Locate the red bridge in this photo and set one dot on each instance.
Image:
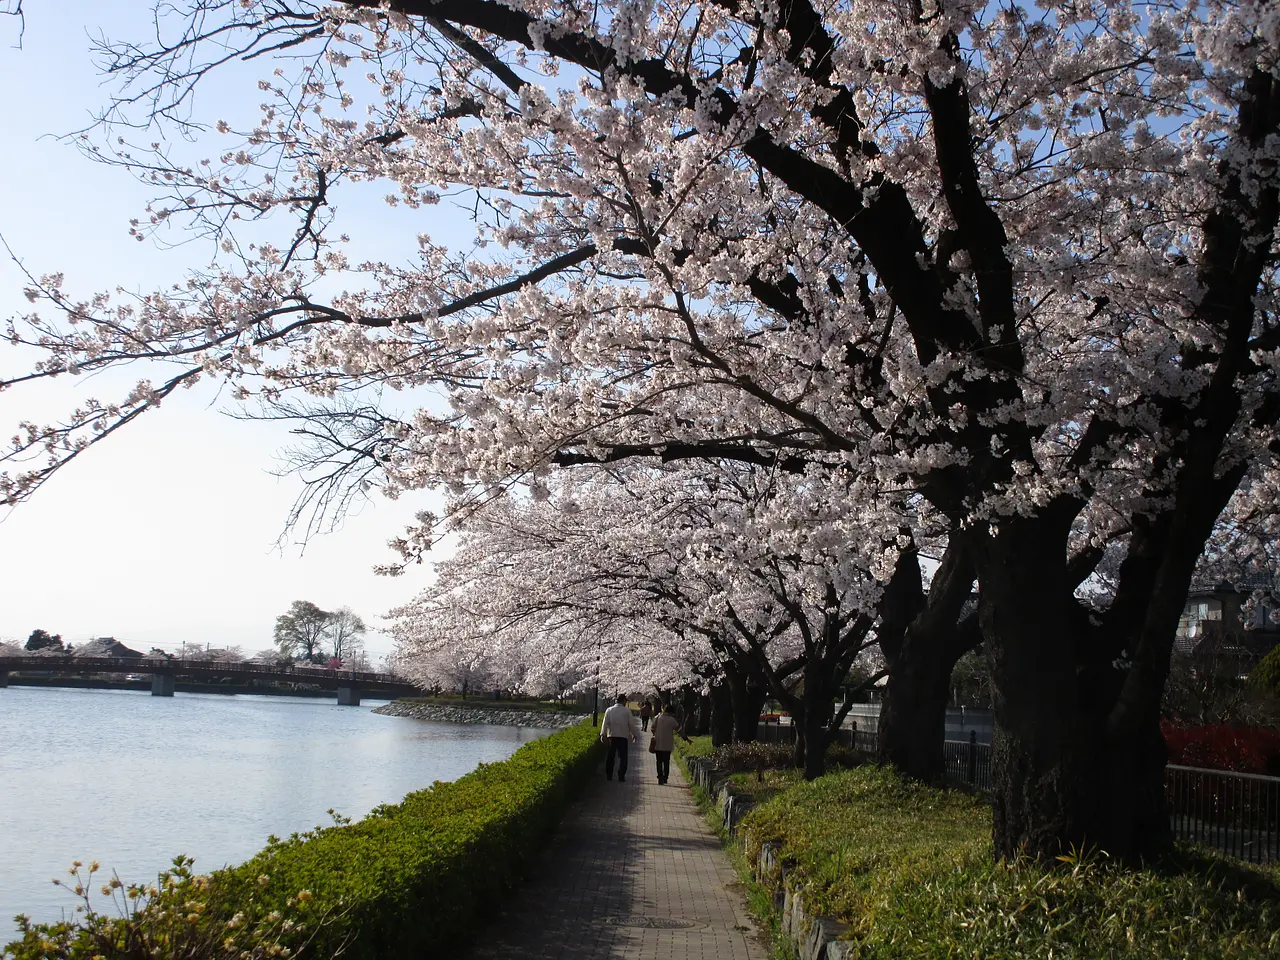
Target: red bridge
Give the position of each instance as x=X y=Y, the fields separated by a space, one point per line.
x=164 y=671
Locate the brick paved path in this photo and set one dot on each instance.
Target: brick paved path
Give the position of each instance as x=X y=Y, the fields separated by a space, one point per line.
x=630 y=861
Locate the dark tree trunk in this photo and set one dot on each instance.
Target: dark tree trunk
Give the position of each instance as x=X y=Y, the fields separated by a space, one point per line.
x=914 y=710
x=721 y=726
x=747 y=700
x=799 y=754
x=813 y=731
x=813 y=718
x=706 y=716
x=1062 y=780
x=921 y=642
x=688 y=705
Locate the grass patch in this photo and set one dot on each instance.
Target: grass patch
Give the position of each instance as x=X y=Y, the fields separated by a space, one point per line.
x=767 y=784
x=910 y=869
x=694 y=748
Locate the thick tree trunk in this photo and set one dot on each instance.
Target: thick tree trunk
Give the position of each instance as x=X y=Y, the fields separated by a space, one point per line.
x=799 y=753
x=813 y=731
x=812 y=720
x=921 y=642
x=747 y=700
x=721 y=726
x=706 y=717
x=914 y=710
x=1061 y=781
x=688 y=705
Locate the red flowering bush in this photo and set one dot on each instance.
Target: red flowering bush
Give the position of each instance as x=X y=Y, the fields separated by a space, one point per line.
x=1219 y=747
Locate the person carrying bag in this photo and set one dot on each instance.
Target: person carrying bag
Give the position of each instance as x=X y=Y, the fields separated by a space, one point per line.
x=663 y=741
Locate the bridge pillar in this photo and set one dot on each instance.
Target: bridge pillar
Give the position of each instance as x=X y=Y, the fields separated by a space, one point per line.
x=348 y=696
x=4 y=678
x=162 y=684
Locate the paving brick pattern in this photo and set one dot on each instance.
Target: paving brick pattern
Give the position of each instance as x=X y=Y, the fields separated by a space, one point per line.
x=630 y=861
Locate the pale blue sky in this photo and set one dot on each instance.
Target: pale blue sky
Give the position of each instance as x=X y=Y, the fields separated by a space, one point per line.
x=165 y=532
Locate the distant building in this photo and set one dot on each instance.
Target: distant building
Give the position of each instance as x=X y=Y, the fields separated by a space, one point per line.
x=1215 y=623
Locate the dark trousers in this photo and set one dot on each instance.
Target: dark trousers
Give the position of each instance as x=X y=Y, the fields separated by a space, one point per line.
x=644 y=723
x=664 y=764
x=618 y=748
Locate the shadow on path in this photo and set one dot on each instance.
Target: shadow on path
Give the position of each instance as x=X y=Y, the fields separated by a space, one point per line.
x=633 y=872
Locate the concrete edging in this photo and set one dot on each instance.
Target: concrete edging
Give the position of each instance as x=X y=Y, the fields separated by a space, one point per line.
x=814 y=937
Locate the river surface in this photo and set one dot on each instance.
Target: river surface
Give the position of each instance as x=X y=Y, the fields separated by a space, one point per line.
x=133 y=780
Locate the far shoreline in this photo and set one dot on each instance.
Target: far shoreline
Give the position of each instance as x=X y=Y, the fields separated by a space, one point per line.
x=226 y=689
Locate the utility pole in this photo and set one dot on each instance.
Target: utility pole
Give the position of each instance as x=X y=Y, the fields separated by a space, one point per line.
x=595 y=694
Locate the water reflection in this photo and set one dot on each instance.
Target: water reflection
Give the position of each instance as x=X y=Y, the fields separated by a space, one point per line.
x=132 y=780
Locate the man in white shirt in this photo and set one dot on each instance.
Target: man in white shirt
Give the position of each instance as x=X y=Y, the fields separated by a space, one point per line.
x=615 y=728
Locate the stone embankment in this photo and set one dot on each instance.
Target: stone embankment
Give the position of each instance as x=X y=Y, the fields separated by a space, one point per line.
x=502 y=716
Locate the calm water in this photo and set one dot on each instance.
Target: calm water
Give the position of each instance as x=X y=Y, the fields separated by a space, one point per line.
x=132 y=780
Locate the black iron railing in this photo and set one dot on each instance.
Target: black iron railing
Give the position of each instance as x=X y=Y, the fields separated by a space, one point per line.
x=968 y=762
x=1237 y=813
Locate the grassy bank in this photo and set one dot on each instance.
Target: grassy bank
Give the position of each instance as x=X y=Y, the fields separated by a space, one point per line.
x=413 y=879
x=910 y=869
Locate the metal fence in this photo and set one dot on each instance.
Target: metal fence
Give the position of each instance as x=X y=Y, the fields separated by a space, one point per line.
x=968 y=762
x=1237 y=813
x=771 y=731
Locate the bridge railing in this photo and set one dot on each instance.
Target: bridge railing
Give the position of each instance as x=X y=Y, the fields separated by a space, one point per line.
x=73 y=664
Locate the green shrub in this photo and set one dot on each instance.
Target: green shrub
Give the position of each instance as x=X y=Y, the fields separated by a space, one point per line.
x=412 y=879
x=910 y=868
x=1266 y=675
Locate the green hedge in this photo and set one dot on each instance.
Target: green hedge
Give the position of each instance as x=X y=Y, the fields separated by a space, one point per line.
x=414 y=879
x=910 y=868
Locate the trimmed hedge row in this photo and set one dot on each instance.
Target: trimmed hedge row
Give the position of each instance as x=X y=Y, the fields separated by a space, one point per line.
x=412 y=879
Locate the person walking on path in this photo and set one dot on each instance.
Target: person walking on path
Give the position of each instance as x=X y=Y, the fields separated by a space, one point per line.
x=646 y=712
x=615 y=729
x=665 y=728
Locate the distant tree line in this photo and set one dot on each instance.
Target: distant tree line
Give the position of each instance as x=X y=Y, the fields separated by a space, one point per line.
x=43 y=640
x=306 y=632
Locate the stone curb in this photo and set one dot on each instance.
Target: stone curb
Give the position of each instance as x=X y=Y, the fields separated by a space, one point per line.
x=814 y=937
x=474 y=714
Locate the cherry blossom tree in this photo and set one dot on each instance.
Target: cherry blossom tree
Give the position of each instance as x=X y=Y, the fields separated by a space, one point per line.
x=702 y=577
x=1013 y=267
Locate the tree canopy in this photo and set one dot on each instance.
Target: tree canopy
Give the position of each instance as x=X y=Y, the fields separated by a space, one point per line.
x=303 y=630
x=988 y=281
x=42 y=639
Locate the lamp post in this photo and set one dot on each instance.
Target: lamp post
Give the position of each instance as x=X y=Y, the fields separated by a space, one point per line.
x=595 y=693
